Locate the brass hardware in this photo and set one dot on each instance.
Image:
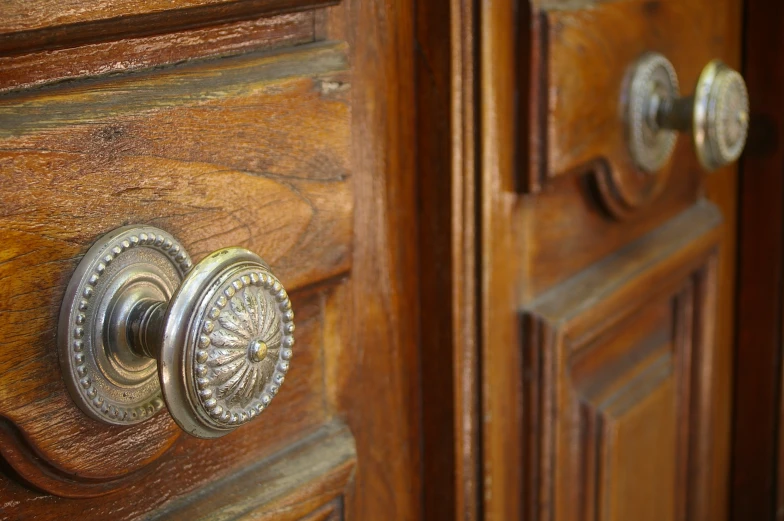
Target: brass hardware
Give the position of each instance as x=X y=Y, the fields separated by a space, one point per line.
x=717 y=114
x=219 y=333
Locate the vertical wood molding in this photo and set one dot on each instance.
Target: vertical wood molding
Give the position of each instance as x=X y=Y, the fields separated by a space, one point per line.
x=447 y=191
x=446 y=143
x=384 y=362
x=465 y=303
x=757 y=486
x=499 y=241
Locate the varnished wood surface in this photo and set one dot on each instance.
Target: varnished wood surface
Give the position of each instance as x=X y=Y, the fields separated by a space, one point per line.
x=147 y=149
x=499 y=245
x=411 y=273
x=436 y=263
x=45 y=24
x=570 y=201
x=590 y=52
x=225 y=135
x=673 y=251
x=464 y=251
x=189 y=463
x=614 y=352
x=568 y=230
x=380 y=366
x=309 y=477
x=285 y=133
x=721 y=188
x=28 y=15
x=99 y=59
x=757 y=487
x=447 y=262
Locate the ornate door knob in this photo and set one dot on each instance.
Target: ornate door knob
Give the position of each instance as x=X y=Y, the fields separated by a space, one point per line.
x=717 y=114
x=138 y=318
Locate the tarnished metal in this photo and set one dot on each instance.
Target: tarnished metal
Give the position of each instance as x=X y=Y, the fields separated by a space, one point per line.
x=720 y=115
x=653 y=83
x=716 y=114
x=220 y=333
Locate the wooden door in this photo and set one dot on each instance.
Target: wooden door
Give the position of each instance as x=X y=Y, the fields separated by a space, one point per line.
x=282 y=126
x=606 y=292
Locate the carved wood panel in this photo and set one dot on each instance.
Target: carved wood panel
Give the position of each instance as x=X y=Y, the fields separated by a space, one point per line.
x=586 y=51
x=255 y=150
x=618 y=382
x=273 y=176
x=632 y=386
x=560 y=198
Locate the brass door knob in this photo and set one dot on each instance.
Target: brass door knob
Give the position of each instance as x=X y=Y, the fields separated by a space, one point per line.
x=717 y=114
x=140 y=326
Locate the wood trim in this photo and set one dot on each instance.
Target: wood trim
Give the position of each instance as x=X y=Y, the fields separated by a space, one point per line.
x=500 y=242
x=676 y=262
x=308 y=476
x=40 y=68
x=113 y=26
x=82 y=104
x=465 y=261
x=447 y=235
x=382 y=402
x=757 y=487
x=436 y=262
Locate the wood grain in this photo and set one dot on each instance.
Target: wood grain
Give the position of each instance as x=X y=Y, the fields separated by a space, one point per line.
x=569 y=200
x=380 y=366
x=465 y=259
x=369 y=322
x=217 y=154
x=621 y=353
x=305 y=481
x=140 y=144
x=27 y=26
x=589 y=52
x=416 y=186
x=133 y=54
x=189 y=463
x=500 y=246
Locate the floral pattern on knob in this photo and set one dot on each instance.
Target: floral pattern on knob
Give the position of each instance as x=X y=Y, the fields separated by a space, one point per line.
x=726 y=121
x=244 y=347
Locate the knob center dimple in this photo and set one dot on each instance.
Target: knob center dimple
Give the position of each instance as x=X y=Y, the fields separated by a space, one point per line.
x=736 y=129
x=257 y=350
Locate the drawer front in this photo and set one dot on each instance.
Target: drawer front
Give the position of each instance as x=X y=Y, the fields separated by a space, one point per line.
x=283 y=127
x=250 y=151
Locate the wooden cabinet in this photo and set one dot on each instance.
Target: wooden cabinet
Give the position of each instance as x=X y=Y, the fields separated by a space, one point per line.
x=606 y=291
x=501 y=313
x=275 y=126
